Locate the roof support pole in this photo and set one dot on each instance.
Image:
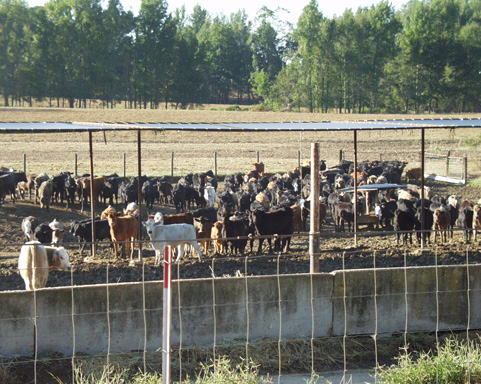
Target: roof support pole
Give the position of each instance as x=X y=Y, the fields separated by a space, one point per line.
x=422 y=187
x=92 y=199
x=355 y=188
x=139 y=191
x=315 y=208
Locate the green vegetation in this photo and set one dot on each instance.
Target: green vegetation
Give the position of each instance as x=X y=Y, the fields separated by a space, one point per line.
x=422 y=58
x=221 y=371
x=473 y=142
x=454 y=362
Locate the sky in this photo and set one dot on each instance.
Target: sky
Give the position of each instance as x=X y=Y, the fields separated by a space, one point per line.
x=329 y=8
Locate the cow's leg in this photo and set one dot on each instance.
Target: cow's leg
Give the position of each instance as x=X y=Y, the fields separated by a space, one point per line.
x=180 y=252
x=196 y=246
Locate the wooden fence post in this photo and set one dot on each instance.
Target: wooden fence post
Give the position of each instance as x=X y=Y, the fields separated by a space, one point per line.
x=215 y=164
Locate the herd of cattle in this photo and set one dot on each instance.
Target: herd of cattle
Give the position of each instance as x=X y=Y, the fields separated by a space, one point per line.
x=251 y=206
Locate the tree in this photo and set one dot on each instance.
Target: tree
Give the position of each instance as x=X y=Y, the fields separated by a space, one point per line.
x=14 y=16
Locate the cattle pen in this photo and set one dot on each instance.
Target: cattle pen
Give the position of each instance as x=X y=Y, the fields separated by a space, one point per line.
x=285 y=309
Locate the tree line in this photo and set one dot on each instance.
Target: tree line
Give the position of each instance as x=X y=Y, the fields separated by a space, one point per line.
x=424 y=57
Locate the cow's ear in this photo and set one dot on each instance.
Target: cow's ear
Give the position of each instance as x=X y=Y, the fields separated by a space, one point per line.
x=157 y=223
x=144 y=223
x=55 y=255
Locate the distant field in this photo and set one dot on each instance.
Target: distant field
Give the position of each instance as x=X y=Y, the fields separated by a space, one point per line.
x=194 y=151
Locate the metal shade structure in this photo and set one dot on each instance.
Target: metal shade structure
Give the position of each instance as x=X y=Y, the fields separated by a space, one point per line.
x=367 y=125
x=373 y=187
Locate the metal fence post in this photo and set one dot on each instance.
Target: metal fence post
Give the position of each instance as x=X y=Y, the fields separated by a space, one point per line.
x=125 y=165
x=172 y=168
x=25 y=163
x=76 y=165
x=315 y=208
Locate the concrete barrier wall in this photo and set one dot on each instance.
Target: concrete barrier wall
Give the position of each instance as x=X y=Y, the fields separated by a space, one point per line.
x=124 y=317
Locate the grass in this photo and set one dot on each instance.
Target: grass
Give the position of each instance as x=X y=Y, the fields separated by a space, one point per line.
x=220 y=371
x=455 y=362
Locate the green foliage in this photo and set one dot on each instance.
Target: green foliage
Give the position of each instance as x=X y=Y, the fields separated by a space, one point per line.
x=424 y=57
x=455 y=362
x=220 y=371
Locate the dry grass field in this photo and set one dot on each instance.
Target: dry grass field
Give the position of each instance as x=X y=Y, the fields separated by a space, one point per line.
x=194 y=151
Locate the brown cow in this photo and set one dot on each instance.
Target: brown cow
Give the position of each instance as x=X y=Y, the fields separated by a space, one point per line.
x=123 y=229
x=442 y=221
x=179 y=218
x=476 y=219
x=203 y=230
x=84 y=187
x=413 y=174
x=216 y=235
x=45 y=192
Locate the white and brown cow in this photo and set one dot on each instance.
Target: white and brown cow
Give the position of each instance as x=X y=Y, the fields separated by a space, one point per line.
x=36 y=261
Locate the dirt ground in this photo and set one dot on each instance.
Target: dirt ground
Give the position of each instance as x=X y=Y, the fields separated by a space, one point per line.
x=338 y=251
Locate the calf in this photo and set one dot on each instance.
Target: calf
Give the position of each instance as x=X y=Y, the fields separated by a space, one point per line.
x=180 y=218
x=203 y=229
x=176 y=235
x=404 y=221
x=385 y=212
x=123 y=229
x=476 y=219
x=82 y=230
x=343 y=212
x=428 y=224
x=209 y=196
x=35 y=262
x=274 y=223
x=216 y=235
x=465 y=221
x=413 y=174
x=45 y=192
x=235 y=229
x=43 y=234
x=57 y=231
x=442 y=221
x=29 y=224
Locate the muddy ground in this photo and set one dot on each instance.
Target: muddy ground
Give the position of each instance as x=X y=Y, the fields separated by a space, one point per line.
x=338 y=251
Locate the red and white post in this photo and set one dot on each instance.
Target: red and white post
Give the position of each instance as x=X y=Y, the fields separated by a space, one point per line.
x=167 y=315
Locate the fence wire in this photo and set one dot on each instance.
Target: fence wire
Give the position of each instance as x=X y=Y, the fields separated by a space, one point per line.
x=287 y=347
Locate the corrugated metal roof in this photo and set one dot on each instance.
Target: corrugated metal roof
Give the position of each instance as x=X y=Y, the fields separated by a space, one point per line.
x=239 y=127
x=373 y=187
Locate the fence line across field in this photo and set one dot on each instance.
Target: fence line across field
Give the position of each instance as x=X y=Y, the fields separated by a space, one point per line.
x=352 y=288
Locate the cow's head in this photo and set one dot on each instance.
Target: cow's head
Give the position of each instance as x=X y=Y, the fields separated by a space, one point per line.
x=150 y=225
x=159 y=218
x=60 y=260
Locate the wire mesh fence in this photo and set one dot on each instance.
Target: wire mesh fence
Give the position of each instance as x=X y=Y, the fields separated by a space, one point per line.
x=361 y=314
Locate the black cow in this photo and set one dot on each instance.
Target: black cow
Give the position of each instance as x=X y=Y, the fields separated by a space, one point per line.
x=82 y=230
x=235 y=228
x=385 y=212
x=404 y=221
x=343 y=212
x=279 y=222
x=150 y=193
x=209 y=213
x=59 y=191
x=179 y=197
x=43 y=233
x=428 y=224
x=465 y=221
